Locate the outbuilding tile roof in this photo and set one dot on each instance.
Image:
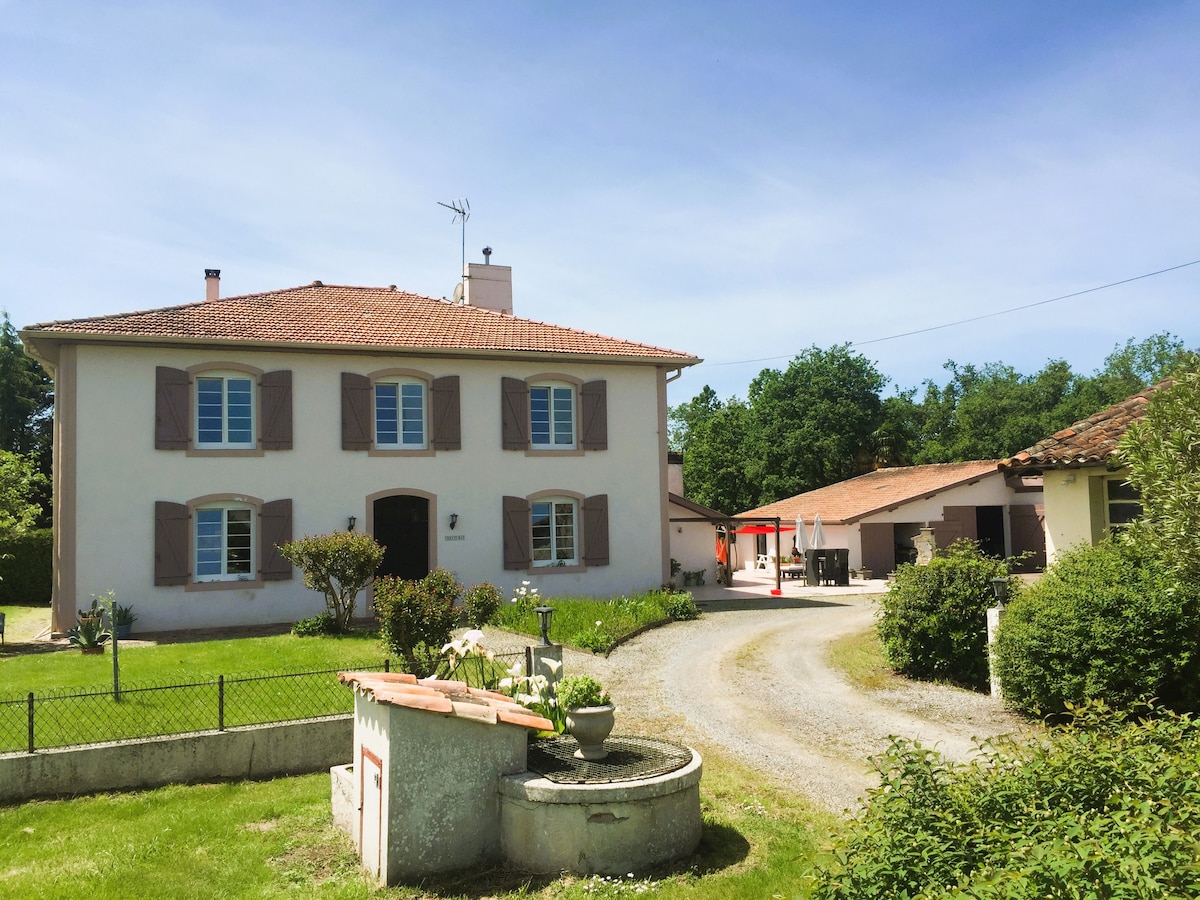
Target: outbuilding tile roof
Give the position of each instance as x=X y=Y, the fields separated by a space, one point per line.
x=369 y=317
x=1090 y=442
x=450 y=698
x=884 y=489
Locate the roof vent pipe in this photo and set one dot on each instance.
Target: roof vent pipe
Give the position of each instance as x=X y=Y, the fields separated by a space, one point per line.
x=212 y=284
x=487 y=256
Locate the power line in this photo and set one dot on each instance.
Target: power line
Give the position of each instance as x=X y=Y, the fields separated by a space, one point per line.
x=999 y=312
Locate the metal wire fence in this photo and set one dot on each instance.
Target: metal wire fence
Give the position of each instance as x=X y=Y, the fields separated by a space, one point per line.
x=71 y=718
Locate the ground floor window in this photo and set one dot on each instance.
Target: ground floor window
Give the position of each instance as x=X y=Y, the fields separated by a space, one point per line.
x=553 y=532
x=224 y=543
x=1124 y=502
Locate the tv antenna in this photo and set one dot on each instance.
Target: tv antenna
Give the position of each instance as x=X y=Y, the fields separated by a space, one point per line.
x=462 y=212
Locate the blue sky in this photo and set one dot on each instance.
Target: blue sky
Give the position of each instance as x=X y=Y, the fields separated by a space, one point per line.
x=737 y=180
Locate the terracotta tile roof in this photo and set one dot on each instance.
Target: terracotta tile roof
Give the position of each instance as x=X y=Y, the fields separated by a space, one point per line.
x=1089 y=442
x=856 y=498
x=321 y=315
x=450 y=698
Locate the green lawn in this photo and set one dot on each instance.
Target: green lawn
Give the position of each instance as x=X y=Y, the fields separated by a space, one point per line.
x=276 y=839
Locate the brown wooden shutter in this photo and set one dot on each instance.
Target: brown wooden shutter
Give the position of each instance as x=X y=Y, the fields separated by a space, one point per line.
x=172 y=536
x=275 y=410
x=517 y=536
x=595 y=530
x=274 y=529
x=444 y=414
x=594 y=415
x=514 y=414
x=357 y=428
x=172 y=408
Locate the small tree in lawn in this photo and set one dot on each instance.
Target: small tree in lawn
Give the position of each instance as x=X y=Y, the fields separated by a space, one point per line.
x=339 y=565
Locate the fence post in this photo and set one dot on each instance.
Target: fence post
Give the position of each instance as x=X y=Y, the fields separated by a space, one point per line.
x=30 y=702
x=387 y=665
x=220 y=703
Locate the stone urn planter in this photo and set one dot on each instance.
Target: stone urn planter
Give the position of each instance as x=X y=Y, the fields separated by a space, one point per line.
x=590 y=726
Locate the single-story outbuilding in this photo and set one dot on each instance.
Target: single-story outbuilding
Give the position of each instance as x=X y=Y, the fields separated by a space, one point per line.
x=878 y=516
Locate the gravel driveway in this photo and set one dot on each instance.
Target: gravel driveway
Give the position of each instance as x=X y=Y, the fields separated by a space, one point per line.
x=755 y=682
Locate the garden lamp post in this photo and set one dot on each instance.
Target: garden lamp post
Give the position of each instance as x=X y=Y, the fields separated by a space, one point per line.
x=1000 y=589
x=544 y=614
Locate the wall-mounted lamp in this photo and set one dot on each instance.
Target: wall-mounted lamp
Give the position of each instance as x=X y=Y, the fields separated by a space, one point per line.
x=1000 y=589
x=350 y=523
x=453 y=520
x=544 y=614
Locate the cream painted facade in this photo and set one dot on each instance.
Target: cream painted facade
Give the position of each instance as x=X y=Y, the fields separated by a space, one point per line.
x=109 y=476
x=1076 y=506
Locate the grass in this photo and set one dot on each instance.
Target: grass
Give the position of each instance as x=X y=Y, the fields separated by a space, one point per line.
x=588 y=624
x=276 y=839
x=860 y=657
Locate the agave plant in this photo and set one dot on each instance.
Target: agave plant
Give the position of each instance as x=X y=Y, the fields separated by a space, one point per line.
x=89 y=632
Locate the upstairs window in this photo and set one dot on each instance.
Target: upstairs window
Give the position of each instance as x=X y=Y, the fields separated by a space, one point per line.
x=225 y=411
x=215 y=408
x=552 y=417
x=400 y=415
x=397 y=412
x=539 y=414
x=224 y=543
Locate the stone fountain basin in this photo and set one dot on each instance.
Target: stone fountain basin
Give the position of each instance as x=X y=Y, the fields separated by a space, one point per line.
x=606 y=829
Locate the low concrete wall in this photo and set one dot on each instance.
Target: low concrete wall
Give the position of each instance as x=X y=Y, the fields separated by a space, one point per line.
x=261 y=751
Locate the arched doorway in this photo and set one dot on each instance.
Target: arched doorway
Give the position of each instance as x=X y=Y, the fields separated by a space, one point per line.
x=401 y=523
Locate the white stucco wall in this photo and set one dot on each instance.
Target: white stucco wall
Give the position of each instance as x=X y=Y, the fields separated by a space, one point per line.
x=120 y=476
x=694 y=544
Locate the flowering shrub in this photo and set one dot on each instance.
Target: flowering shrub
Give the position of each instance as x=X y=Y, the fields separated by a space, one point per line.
x=536 y=693
x=466 y=659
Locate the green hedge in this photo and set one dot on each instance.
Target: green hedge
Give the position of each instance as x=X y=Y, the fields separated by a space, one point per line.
x=28 y=576
x=1107 y=623
x=1100 y=808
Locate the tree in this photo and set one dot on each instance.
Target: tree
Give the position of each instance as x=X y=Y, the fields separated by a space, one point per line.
x=1162 y=452
x=809 y=424
x=339 y=565
x=26 y=409
x=19 y=481
x=714 y=459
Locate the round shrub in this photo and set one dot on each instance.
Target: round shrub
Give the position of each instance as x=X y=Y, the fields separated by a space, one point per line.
x=1104 y=623
x=681 y=607
x=417 y=617
x=316 y=626
x=481 y=602
x=933 y=619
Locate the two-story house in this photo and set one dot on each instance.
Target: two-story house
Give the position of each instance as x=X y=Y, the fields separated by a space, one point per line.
x=190 y=441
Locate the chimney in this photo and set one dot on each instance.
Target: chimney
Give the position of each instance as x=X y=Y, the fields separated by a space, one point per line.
x=488 y=286
x=212 y=284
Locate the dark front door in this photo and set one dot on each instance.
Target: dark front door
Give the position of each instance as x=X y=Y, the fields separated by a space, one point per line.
x=402 y=526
